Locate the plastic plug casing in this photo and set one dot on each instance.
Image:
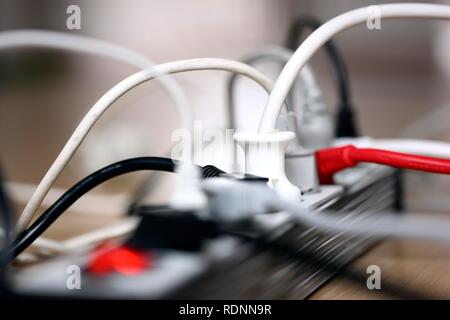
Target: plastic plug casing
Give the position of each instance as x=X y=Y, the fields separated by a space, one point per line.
x=188 y=194
x=265 y=156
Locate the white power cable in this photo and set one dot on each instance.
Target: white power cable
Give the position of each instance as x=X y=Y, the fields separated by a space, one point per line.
x=83 y=241
x=237 y=201
x=99 y=235
x=324 y=33
x=109 y=98
x=49 y=245
x=277 y=54
x=79 y=43
x=44 y=244
x=379 y=225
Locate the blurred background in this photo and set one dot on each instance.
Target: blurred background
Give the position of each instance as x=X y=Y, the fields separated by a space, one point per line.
x=398 y=74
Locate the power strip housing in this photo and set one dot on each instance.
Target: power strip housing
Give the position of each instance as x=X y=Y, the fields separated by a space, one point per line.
x=228 y=269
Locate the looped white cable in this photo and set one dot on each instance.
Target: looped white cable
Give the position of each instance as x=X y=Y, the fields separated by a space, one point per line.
x=311 y=90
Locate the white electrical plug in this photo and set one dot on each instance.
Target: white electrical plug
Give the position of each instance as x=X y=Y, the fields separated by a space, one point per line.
x=315 y=128
x=300 y=162
x=188 y=194
x=301 y=169
x=233 y=201
x=265 y=156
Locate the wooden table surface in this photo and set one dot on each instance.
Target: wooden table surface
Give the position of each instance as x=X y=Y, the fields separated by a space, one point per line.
x=420 y=268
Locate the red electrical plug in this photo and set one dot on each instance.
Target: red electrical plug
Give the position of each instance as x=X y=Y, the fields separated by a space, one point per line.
x=332 y=160
x=109 y=258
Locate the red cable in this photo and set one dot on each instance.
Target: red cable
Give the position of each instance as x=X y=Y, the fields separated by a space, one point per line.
x=331 y=160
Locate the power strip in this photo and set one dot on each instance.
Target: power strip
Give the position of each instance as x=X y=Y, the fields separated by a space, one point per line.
x=226 y=268
x=264 y=275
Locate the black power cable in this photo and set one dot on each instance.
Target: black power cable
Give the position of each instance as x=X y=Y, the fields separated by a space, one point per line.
x=345 y=119
x=41 y=224
x=7 y=213
x=7 y=216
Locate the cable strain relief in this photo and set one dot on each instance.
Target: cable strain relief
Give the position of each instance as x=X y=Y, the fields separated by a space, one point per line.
x=331 y=160
x=210 y=171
